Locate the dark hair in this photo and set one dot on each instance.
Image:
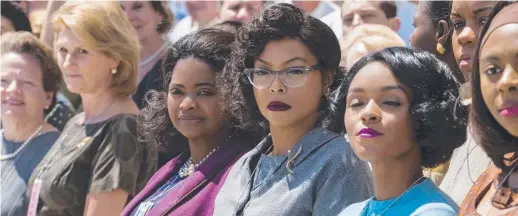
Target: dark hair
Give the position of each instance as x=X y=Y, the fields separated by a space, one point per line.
x=439 y=120
x=389 y=8
x=494 y=138
x=276 y=22
x=229 y=25
x=16 y=15
x=211 y=46
x=162 y=8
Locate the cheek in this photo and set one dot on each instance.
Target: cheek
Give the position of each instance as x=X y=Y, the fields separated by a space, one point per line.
x=455 y=46
x=261 y=97
x=172 y=109
x=489 y=92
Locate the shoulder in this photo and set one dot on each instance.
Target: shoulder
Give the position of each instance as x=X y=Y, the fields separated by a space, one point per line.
x=435 y=203
x=435 y=209
x=354 y=209
x=123 y=123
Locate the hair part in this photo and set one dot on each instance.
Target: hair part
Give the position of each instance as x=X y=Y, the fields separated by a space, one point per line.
x=494 y=139
x=104 y=28
x=438 y=118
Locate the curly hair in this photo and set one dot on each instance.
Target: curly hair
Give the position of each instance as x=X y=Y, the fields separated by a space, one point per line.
x=211 y=46
x=276 y=22
x=494 y=139
x=439 y=120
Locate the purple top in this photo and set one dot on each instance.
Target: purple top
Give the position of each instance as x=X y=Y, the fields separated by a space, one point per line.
x=196 y=194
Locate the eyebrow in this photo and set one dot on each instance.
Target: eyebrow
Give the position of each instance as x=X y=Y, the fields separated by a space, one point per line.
x=201 y=84
x=286 y=62
x=480 y=10
x=383 y=89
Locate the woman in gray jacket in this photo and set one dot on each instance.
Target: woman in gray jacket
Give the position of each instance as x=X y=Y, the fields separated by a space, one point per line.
x=283 y=67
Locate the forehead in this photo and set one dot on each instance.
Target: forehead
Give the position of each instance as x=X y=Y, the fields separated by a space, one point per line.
x=20 y=64
x=374 y=75
x=469 y=7
x=280 y=51
x=68 y=38
x=191 y=70
x=498 y=42
x=358 y=6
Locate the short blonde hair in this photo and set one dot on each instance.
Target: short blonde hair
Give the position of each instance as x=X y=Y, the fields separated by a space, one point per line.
x=373 y=37
x=104 y=28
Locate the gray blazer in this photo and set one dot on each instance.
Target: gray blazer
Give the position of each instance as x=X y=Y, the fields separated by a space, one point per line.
x=323 y=178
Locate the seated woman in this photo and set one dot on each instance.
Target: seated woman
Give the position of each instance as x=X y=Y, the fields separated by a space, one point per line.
x=406 y=118
x=495 y=114
x=189 y=183
x=97 y=164
x=283 y=66
x=365 y=39
x=30 y=76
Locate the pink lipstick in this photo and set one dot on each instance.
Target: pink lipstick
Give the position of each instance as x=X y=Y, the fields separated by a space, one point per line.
x=278 y=106
x=368 y=133
x=510 y=111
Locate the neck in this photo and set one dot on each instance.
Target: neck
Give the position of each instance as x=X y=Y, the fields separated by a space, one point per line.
x=97 y=106
x=202 y=23
x=150 y=45
x=285 y=137
x=19 y=131
x=203 y=146
x=393 y=178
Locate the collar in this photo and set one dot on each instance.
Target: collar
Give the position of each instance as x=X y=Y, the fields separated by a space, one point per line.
x=309 y=143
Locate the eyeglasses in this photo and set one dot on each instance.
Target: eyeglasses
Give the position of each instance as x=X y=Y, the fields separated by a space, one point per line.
x=292 y=77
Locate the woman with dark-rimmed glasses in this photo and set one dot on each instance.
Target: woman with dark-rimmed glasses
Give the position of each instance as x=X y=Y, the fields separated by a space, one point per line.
x=288 y=64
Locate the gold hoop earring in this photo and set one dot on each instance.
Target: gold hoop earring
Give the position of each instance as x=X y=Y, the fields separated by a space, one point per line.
x=114 y=71
x=440 y=48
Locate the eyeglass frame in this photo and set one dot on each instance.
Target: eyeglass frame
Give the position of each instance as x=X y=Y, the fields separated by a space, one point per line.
x=279 y=73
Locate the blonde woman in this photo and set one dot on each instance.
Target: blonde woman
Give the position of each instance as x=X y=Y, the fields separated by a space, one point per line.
x=97 y=163
x=365 y=39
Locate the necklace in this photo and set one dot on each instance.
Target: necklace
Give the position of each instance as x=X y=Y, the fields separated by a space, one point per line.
x=150 y=58
x=32 y=136
x=188 y=168
x=394 y=202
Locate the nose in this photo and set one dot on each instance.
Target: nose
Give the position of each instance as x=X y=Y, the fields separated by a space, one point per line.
x=371 y=113
x=277 y=86
x=242 y=14
x=14 y=87
x=357 y=20
x=188 y=103
x=467 y=36
x=508 y=83
x=67 y=61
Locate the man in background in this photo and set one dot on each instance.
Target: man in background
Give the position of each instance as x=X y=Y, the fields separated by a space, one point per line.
x=241 y=11
x=355 y=13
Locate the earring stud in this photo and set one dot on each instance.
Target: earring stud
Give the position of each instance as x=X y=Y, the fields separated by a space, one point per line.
x=114 y=71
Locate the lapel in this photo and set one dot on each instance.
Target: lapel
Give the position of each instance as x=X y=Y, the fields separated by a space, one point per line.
x=190 y=186
x=156 y=181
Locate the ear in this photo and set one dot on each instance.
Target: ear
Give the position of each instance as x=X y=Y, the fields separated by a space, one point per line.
x=48 y=98
x=395 y=23
x=115 y=64
x=443 y=32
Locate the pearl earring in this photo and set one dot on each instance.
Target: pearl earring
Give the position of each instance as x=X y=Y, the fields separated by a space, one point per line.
x=114 y=71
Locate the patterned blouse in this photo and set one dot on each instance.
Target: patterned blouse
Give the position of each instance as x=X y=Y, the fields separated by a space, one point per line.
x=92 y=158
